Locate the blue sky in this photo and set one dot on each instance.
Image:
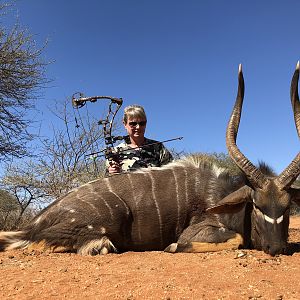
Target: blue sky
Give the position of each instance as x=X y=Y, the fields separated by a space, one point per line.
x=179 y=59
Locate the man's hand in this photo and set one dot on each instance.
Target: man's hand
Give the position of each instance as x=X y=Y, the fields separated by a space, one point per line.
x=114 y=167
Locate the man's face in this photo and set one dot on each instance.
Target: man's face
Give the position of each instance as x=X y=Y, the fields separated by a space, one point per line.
x=136 y=127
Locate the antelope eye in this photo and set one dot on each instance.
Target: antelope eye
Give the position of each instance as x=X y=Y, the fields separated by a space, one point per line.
x=259 y=209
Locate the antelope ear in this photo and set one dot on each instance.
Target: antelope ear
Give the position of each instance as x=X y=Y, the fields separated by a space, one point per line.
x=232 y=203
x=295 y=195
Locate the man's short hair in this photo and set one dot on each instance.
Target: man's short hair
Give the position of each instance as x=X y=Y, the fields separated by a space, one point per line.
x=134 y=111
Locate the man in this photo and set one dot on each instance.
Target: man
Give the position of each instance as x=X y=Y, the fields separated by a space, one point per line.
x=137 y=151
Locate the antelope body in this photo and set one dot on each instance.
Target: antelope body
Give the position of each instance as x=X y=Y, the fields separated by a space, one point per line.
x=186 y=206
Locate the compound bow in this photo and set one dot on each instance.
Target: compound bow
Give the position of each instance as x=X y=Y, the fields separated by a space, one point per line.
x=110 y=152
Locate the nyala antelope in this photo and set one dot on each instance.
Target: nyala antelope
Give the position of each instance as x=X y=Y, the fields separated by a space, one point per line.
x=186 y=206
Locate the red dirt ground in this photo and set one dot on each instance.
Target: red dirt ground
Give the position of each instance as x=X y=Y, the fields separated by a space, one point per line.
x=236 y=274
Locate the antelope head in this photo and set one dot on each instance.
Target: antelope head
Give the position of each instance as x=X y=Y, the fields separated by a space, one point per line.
x=270 y=196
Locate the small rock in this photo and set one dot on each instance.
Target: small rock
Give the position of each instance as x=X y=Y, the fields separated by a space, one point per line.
x=63 y=270
x=240 y=254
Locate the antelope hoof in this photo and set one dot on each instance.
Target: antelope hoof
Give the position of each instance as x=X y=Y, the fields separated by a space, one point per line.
x=171 y=248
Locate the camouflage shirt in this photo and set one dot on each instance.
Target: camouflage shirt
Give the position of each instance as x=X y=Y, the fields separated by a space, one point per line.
x=154 y=155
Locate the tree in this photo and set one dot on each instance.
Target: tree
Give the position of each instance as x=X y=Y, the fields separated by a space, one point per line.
x=22 y=75
x=26 y=189
x=8 y=208
x=70 y=158
x=63 y=162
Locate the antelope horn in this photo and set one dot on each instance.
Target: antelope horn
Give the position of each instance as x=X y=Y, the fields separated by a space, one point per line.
x=255 y=176
x=295 y=98
x=290 y=174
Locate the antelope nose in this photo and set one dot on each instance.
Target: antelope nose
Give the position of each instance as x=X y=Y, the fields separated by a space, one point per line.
x=275 y=249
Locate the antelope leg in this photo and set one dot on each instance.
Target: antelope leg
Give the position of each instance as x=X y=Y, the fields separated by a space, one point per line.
x=197 y=247
x=206 y=237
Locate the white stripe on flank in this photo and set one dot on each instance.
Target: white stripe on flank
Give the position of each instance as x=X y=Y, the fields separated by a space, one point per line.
x=177 y=201
x=94 y=208
x=211 y=186
x=137 y=220
x=157 y=208
x=131 y=184
x=115 y=194
x=105 y=202
x=88 y=203
x=186 y=185
x=108 y=206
